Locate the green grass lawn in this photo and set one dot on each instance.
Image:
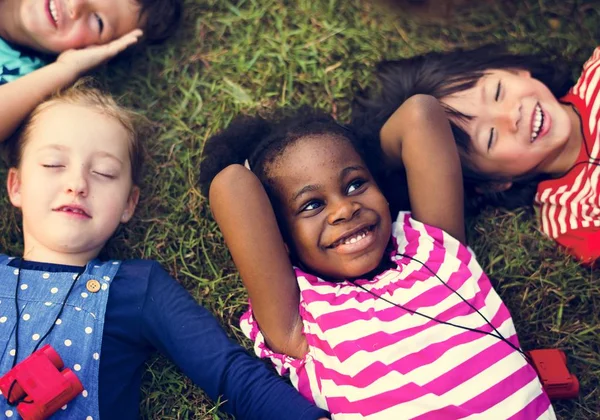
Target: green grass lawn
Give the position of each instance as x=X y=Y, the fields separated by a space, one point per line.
x=248 y=55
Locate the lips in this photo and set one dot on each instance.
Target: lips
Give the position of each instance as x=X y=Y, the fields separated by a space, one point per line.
x=353 y=236
x=53 y=12
x=74 y=210
x=540 y=123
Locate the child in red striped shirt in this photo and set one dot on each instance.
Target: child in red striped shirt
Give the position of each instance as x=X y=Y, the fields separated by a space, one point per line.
x=519 y=129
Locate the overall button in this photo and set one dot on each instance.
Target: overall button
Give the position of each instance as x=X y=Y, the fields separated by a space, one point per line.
x=93 y=285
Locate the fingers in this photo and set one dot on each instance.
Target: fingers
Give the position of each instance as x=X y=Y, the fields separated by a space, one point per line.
x=127 y=40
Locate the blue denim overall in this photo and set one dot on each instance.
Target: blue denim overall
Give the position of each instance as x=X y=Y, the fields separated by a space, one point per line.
x=14 y=64
x=76 y=336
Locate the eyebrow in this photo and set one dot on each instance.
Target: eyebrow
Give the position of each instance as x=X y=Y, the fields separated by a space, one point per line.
x=306 y=189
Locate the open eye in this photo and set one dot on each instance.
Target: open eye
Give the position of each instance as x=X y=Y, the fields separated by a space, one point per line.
x=311 y=205
x=100 y=23
x=355 y=185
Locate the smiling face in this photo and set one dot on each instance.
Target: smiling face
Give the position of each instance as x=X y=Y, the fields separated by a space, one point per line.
x=336 y=216
x=518 y=126
x=73 y=184
x=53 y=26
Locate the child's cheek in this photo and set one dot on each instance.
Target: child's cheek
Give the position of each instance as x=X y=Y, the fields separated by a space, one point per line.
x=80 y=37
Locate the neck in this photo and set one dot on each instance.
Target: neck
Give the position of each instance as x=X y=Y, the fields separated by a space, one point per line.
x=40 y=254
x=564 y=159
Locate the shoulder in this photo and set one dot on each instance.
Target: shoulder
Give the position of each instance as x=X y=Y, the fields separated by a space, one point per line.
x=585 y=82
x=137 y=277
x=15 y=63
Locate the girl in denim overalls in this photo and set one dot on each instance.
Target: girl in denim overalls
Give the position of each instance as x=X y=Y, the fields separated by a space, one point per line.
x=75 y=167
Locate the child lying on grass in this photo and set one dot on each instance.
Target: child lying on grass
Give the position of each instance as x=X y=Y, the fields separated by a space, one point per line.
x=75 y=169
x=81 y=34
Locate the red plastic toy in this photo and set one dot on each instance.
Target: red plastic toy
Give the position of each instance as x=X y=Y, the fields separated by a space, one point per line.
x=551 y=367
x=40 y=386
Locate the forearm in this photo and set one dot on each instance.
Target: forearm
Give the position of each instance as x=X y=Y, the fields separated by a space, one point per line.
x=245 y=216
x=191 y=337
x=20 y=97
x=419 y=137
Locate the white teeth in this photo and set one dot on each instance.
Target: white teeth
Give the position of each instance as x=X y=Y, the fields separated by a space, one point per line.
x=537 y=122
x=53 y=11
x=354 y=239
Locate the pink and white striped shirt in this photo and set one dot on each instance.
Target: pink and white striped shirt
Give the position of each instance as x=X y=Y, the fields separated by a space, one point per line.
x=368 y=359
x=570 y=205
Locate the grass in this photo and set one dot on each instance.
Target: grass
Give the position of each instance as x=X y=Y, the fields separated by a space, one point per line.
x=248 y=55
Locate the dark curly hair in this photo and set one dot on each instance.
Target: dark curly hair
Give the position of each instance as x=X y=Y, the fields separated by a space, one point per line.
x=440 y=74
x=261 y=141
x=160 y=18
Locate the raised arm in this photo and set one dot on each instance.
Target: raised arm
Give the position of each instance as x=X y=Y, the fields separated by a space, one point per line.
x=418 y=137
x=20 y=97
x=245 y=216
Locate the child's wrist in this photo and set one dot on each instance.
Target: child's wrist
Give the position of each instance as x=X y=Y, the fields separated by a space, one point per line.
x=66 y=73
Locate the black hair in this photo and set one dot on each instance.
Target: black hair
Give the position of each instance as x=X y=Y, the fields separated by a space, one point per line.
x=260 y=141
x=160 y=19
x=440 y=74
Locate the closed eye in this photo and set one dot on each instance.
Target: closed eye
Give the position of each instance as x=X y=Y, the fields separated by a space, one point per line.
x=491 y=139
x=498 y=89
x=100 y=23
x=105 y=175
x=53 y=166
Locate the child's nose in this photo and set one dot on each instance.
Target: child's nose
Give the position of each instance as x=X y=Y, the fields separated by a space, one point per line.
x=76 y=8
x=509 y=116
x=342 y=210
x=77 y=183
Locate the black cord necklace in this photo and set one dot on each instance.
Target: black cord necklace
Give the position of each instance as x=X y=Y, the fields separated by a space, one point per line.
x=498 y=335
x=18 y=313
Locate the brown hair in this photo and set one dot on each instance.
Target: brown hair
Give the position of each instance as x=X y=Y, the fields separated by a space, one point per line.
x=84 y=93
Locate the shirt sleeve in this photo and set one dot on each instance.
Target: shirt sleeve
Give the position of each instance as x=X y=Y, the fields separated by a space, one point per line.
x=192 y=338
x=583 y=244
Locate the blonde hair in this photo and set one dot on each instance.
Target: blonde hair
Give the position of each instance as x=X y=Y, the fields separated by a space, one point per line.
x=85 y=93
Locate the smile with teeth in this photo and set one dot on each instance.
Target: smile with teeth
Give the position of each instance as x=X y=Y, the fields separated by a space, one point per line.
x=538 y=122
x=53 y=12
x=357 y=237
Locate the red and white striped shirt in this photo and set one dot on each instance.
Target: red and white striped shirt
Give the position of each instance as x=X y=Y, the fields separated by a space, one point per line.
x=369 y=359
x=570 y=205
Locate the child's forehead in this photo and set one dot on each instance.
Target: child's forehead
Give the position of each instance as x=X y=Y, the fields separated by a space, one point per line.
x=63 y=123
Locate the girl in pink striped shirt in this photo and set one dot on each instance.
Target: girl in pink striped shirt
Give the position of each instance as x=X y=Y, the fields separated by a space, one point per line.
x=370 y=319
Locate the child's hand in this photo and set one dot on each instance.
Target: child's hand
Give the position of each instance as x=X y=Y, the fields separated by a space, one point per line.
x=85 y=59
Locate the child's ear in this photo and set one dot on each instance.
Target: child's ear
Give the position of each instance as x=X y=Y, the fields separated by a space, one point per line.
x=132 y=201
x=493 y=187
x=13 y=186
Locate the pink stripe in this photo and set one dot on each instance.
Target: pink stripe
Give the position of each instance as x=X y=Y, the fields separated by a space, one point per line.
x=502 y=390
x=534 y=409
x=490 y=397
x=469 y=368
x=346 y=349
x=407 y=364
x=375 y=404
x=429 y=298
